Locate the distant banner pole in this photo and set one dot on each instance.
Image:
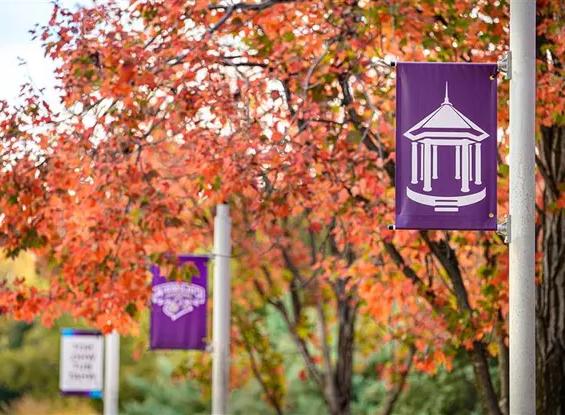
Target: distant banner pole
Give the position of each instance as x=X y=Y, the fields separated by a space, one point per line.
x=221 y=315
x=522 y=199
x=111 y=373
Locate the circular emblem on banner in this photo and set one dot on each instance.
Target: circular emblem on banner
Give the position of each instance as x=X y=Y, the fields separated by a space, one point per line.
x=177 y=299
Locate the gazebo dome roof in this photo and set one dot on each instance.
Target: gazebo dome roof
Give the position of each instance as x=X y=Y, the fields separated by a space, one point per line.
x=446 y=122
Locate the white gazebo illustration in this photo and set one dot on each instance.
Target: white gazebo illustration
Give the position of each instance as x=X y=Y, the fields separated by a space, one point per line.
x=446 y=126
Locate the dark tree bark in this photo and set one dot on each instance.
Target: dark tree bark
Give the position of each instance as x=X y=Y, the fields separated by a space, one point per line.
x=550 y=292
x=503 y=368
x=347 y=313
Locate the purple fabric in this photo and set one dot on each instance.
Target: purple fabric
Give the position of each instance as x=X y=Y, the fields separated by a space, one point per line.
x=178 y=309
x=446 y=162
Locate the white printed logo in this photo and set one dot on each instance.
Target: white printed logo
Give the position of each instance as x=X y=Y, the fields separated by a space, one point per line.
x=177 y=298
x=446 y=126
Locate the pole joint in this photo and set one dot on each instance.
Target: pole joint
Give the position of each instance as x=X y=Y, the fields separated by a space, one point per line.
x=504 y=64
x=503 y=229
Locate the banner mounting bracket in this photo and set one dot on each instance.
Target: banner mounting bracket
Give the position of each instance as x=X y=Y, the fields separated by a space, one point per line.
x=504 y=64
x=503 y=229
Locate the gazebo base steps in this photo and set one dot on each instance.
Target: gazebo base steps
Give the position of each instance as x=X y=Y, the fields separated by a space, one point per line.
x=446 y=203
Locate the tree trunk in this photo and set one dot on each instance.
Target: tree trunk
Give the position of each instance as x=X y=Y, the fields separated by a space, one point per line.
x=550 y=293
x=484 y=381
x=346 y=313
x=503 y=367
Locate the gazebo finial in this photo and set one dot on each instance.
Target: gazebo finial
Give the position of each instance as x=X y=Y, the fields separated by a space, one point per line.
x=446 y=99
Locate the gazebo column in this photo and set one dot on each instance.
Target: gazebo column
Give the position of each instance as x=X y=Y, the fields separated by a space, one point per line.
x=414 y=163
x=457 y=161
x=434 y=162
x=471 y=164
x=421 y=161
x=465 y=167
x=478 y=176
x=427 y=167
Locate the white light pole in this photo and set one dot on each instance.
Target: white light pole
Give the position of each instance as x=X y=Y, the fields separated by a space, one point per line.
x=111 y=373
x=522 y=194
x=221 y=317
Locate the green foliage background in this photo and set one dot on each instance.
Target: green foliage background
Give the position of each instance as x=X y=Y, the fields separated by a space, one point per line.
x=157 y=383
x=151 y=384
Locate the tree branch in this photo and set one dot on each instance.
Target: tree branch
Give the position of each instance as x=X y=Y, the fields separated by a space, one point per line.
x=392 y=397
x=291 y=325
x=275 y=403
x=230 y=9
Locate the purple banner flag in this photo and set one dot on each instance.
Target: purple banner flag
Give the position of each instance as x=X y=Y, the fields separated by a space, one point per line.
x=446 y=146
x=178 y=309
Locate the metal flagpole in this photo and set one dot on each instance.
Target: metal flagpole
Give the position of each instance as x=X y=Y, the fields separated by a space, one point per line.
x=221 y=317
x=111 y=373
x=522 y=193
